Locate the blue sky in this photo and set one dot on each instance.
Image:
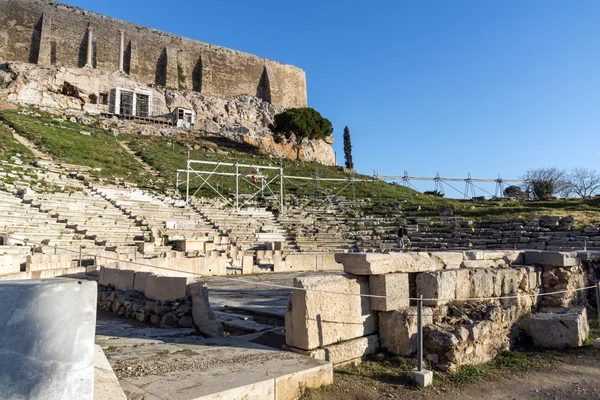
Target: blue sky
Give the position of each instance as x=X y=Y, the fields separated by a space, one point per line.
x=486 y=87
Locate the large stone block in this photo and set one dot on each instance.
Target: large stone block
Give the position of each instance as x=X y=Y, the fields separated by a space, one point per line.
x=552 y=258
x=447 y=259
x=482 y=283
x=203 y=315
x=344 y=352
x=47 y=339
x=463 y=284
x=398 y=330
x=559 y=328
x=120 y=279
x=140 y=281
x=394 y=286
x=317 y=316
x=165 y=287
x=439 y=288
x=385 y=263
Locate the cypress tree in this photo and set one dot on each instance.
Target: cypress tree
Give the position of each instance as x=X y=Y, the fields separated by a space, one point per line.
x=348 y=149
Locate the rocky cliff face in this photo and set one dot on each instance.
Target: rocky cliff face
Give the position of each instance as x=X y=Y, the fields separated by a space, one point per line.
x=243 y=119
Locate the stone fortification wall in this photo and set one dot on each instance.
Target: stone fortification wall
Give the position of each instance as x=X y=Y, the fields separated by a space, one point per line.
x=50 y=33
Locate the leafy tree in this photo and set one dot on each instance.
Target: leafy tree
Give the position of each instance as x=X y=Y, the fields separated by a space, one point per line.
x=298 y=125
x=513 y=191
x=348 y=149
x=435 y=193
x=546 y=182
x=584 y=182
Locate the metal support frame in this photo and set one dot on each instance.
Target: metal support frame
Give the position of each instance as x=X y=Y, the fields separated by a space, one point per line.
x=205 y=176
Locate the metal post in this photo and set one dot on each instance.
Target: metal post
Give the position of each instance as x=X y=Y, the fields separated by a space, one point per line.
x=187 y=185
x=237 y=188
x=598 y=300
x=80 y=255
x=55 y=248
x=281 y=190
x=420 y=333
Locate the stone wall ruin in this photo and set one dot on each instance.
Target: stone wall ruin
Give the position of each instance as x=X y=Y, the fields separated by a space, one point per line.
x=49 y=33
x=467 y=316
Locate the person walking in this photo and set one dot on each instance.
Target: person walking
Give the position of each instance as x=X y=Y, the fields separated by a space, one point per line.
x=401 y=236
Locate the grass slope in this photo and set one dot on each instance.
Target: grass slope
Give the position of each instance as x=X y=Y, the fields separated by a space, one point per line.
x=10 y=147
x=63 y=139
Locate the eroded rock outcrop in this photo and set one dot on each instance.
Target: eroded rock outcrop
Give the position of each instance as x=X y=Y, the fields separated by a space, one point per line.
x=243 y=119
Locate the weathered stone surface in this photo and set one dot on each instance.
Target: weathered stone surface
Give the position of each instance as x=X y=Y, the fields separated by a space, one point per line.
x=385 y=263
x=439 y=288
x=47 y=348
x=463 y=284
x=482 y=283
x=552 y=258
x=596 y=344
x=203 y=315
x=120 y=279
x=559 y=279
x=398 y=330
x=339 y=353
x=394 y=286
x=449 y=346
x=559 y=328
x=165 y=287
x=140 y=280
x=447 y=259
x=315 y=319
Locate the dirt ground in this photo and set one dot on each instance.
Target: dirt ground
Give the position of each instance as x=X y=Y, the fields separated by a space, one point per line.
x=574 y=376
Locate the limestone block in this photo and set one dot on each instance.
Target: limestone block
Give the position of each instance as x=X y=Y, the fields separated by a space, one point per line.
x=482 y=283
x=315 y=319
x=395 y=286
x=480 y=264
x=120 y=279
x=202 y=314
x=326 y=262
x=339 y=353
x=293 y=385
x=463 y=284
x=438 y=287
x=247 y=263
x=385 y=263
x=165 y=287
x=47 y=348
x=398 y=330
x=559 y=328
x=473 y=255
x=552 y=258
x=140 y=280
x=300 y=262
x=447 y=259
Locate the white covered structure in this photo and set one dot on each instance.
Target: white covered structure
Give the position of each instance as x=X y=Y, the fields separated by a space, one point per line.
x=184 y=117
x=131 y=102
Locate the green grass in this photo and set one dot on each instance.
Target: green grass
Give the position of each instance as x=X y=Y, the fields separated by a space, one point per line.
x=63 y=140
x=10 y=147
x=167 y=156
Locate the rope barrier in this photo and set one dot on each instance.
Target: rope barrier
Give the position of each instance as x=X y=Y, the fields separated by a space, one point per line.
x=274 y=285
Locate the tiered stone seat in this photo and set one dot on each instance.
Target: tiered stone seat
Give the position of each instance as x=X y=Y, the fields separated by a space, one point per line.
x=21 y=221
x=251 y=228
x=162 y=215
x=95 y=219
x=317 y=228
